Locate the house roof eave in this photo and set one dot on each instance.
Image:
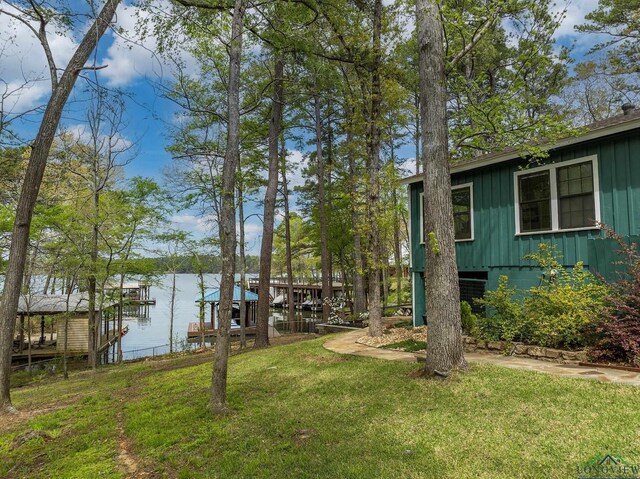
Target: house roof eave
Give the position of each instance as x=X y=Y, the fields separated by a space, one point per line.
x=598 y=130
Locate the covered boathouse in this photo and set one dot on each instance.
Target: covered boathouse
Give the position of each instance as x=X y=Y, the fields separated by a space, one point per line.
x=211 y=302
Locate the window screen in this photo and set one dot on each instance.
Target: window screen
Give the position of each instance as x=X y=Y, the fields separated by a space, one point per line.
x=462 y=212
x=576 y=207
x=535 y=202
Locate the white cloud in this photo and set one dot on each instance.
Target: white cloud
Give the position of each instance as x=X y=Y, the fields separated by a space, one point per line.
x=131 y=56
x=408 y=167
x=295 y=161
x=252 y=231
x=24 y=62
x=574 y=13
x=191 y=223
x=23 y=95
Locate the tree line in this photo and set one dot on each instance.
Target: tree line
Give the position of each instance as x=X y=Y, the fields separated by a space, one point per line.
x=212 y=264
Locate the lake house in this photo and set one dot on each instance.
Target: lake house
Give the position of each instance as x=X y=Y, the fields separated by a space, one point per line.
x=504 y=208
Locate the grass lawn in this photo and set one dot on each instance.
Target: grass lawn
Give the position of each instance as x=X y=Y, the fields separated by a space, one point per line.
x=410 y=345
x=300 y=411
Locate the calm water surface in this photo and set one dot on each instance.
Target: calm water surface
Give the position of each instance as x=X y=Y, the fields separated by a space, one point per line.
x=151 y=329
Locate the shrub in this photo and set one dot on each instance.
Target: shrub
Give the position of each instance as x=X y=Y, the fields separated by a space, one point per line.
x=617 y=331
x=469 y=320
x=556 y=313
x=565 y=304
x=504 y=318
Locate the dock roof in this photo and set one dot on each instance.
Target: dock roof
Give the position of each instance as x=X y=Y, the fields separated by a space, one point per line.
x=53 y=304
x=213 y=296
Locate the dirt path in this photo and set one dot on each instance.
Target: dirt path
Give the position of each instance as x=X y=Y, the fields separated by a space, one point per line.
x=127 y=461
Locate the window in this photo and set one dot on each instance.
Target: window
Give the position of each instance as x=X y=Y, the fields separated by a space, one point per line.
x=558 y=197
x=462 y=198
x=535 y=202
x=575 y=195
x=462 y=212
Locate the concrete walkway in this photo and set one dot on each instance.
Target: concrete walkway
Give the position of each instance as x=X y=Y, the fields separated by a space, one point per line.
x=345 y=343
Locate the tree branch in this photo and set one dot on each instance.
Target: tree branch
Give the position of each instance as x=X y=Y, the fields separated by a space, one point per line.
x=477 y=36
x=204 y=4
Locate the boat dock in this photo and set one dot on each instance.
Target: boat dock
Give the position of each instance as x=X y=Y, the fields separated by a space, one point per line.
x=305 y=295
x=134 y=292
x=50 y=349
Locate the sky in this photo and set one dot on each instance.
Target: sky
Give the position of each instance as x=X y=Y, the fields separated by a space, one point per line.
x=133 y=67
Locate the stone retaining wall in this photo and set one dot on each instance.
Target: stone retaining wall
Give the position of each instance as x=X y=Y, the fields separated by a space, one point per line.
x=519 y=349
x=324 y=328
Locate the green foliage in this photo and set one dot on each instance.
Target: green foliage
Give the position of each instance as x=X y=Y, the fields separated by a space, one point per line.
x=617 y=329
x=500 y=93
x=434 y=246
x=468 y=319
x=617 y=21
x=564 y=303
x=504 y=318
x=304 y=257
x=556 y=313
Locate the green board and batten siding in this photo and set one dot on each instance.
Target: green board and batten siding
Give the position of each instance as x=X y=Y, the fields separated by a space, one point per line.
x=497 y=250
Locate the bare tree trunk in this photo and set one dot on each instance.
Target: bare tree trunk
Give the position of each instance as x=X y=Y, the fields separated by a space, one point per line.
x=444 y=338
x=375 y=307
x=243 y=267
x=418 y=134
x=94 y=330
x=262 y=325
x=287 y=239
x=120 y=306
x=202 y=305
x=397 y=256
x=359 y=294
x=324 y=241
x=172 y=307
x=328 y=197
x=385 y=283
x=29 y=194
x=28 y=342
x=47 y=281
x=218 y=400
x=65 y=351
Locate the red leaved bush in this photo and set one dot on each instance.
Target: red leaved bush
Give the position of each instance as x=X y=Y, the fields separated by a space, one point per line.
x=617 y=331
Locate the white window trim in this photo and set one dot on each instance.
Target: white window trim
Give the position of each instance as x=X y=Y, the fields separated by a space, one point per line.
x=411 y=231
x=555 y=221
x=470 y=186
x=421 y=217
x=453 y=187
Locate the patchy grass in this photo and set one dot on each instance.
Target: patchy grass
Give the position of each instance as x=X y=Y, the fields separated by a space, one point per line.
x=409 y=345
x=300 y=411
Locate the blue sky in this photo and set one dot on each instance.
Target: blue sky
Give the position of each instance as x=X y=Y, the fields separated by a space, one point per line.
x=134 y=68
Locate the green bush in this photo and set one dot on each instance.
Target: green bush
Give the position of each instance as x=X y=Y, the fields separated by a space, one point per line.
x=469 y=320
x=504 y=318
x=556 y=313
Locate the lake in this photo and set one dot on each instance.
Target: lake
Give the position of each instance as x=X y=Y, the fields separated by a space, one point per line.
x=149 y=333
